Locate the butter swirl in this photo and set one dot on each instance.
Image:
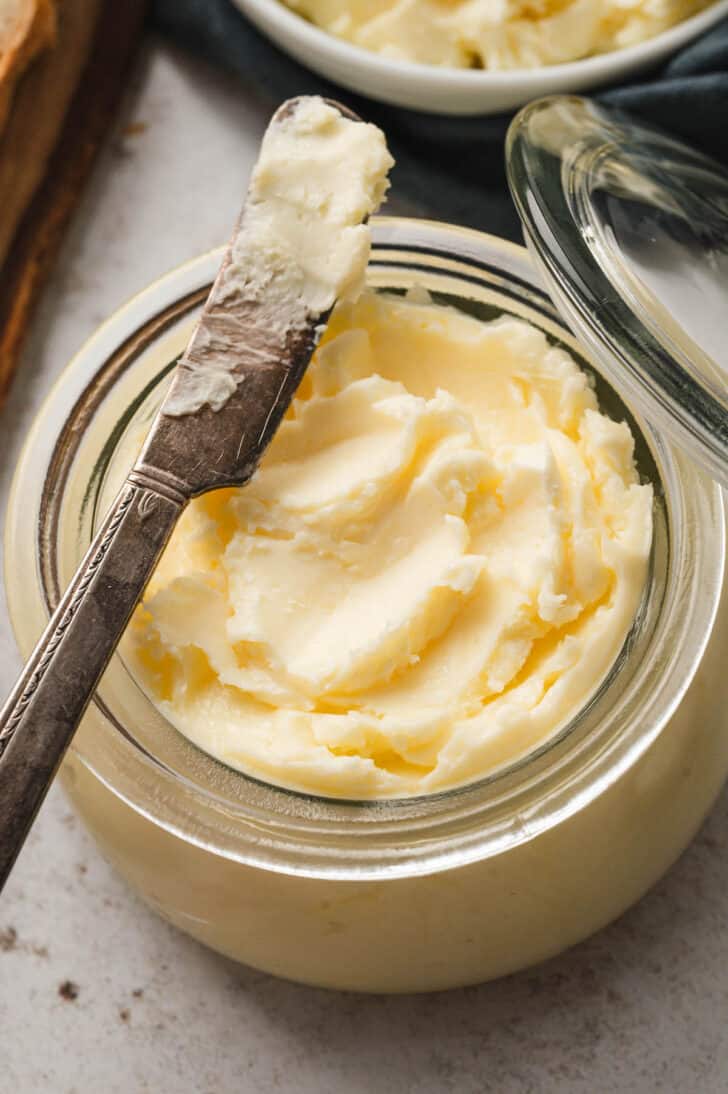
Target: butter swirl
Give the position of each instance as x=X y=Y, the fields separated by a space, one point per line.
x=433 y=569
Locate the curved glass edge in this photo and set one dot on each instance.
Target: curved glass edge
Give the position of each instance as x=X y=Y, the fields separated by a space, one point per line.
x=403 y=836
x=546 y=143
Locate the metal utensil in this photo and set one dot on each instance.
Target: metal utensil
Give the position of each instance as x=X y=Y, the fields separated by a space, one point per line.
x=185 y=455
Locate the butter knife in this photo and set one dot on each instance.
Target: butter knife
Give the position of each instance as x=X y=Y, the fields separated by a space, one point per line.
x=229 y=392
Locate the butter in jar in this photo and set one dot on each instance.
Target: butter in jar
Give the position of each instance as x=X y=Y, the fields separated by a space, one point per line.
x=472 y=881
x=432 y=571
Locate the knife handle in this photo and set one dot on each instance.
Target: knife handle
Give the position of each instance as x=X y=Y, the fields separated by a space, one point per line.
x=46 y=705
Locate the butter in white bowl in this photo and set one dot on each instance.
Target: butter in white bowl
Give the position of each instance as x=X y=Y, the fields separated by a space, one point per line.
x=469 y=57
x=495 y=34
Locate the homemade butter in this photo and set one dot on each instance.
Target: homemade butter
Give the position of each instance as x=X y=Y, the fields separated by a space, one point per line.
x=402 y=895
x=435 y=566
x=494 y=34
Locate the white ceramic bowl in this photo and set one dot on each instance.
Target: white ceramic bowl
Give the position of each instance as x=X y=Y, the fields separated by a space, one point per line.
x=460 y=91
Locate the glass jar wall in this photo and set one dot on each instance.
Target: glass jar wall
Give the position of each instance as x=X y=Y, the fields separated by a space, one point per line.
x=397 y=895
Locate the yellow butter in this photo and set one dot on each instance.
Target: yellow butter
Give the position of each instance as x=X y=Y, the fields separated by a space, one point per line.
x=494 y=34
x=433 y=569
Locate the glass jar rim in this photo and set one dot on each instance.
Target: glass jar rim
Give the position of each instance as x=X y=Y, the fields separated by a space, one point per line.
x=406 y=836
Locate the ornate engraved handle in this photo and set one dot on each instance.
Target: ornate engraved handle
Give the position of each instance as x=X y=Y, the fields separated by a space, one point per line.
x=39 y=719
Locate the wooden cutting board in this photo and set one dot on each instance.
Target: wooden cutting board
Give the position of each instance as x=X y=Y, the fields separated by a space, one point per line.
x=59 y=114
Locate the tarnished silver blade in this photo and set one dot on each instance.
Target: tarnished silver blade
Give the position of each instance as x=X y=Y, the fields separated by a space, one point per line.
x=186 y=454
x=207 y=449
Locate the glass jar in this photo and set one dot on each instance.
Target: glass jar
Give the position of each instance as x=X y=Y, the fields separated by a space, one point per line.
x=396 y=895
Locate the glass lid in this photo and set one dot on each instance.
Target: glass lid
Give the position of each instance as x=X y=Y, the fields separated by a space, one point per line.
x=630 y=229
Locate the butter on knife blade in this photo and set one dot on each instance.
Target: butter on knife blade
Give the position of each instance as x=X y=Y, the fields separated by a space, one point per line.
x=302 y=242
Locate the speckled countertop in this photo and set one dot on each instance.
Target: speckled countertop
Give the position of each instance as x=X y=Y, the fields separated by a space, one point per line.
x=97 y=994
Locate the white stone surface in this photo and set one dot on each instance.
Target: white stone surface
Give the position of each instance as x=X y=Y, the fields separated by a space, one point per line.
x=639 y=1008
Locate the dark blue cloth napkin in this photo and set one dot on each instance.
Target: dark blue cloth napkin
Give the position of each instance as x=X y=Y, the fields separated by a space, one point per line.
x=452 y=168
